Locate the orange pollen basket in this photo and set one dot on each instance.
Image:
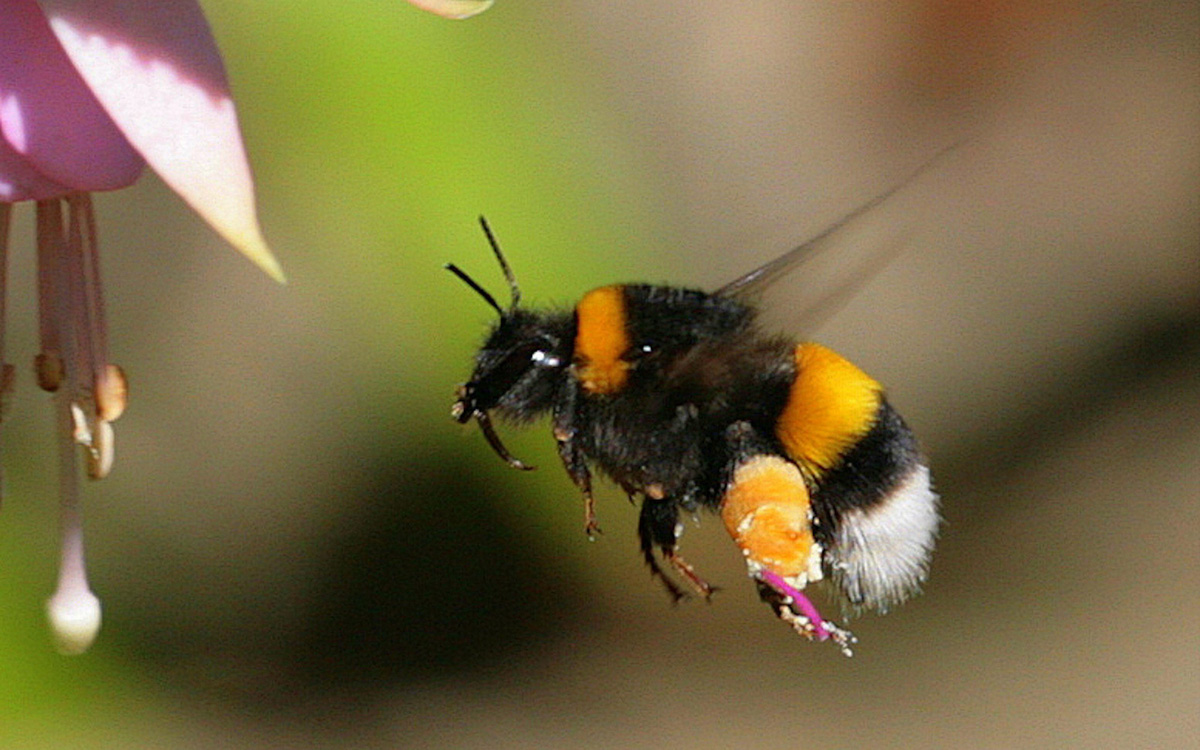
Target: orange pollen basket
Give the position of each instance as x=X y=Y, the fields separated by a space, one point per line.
x=767 y=512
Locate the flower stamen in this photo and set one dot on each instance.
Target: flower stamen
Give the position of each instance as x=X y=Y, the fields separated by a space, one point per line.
x=112 y=393
x=89 y=393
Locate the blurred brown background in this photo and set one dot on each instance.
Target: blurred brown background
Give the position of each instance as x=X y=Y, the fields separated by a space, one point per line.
x=298 y=549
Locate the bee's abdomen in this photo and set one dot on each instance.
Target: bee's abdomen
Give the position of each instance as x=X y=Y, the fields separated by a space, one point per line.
x=874 y=509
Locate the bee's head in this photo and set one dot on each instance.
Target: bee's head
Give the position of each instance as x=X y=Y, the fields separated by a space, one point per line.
x=520 y=366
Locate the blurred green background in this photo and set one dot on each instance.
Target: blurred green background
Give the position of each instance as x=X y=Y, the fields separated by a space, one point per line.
x=297 y=548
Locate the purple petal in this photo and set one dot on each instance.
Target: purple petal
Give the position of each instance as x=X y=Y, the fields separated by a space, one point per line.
x=48 y=116
x=155 y=68
x=20 y=181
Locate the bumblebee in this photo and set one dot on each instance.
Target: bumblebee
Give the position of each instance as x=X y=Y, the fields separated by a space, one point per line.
x=682 y=399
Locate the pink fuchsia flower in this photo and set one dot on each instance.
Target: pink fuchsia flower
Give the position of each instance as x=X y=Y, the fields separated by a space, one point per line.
x=453 y=8
x=90 y=92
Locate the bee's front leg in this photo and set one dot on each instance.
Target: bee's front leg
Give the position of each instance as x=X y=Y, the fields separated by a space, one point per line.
x=566 y=438
x=658 y=526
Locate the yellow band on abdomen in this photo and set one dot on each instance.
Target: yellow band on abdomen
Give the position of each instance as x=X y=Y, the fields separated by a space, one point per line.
x=831 y=405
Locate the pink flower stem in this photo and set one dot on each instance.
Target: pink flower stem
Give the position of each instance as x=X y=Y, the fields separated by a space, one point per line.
x=50 y=252
x=5 y=380
x=5 y=215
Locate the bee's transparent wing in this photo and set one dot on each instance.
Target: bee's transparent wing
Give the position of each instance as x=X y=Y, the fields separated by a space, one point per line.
x=837 y=262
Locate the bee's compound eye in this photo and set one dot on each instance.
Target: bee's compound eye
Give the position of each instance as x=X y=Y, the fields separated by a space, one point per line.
x=545 y=359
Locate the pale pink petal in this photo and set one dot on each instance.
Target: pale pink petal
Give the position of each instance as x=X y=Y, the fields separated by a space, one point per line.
x=453 y=8
x=49 y=117
x=155 y=68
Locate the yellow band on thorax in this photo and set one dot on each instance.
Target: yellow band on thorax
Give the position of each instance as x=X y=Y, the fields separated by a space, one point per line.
x=601 y=340
x=831 y=406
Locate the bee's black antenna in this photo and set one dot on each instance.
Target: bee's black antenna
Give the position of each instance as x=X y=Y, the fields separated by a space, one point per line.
x=508 y=274
x=474 y=285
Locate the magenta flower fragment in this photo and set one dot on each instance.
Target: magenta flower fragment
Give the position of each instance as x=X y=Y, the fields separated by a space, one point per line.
x=456 y=9
x=90 y=92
